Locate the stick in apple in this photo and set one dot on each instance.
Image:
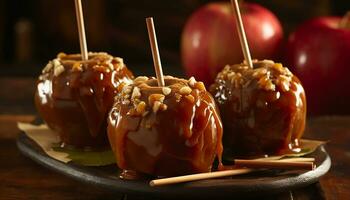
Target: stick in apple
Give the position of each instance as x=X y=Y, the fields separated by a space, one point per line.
x=155 y=51
x=241 y=33
x=345 y=21
x=81 y=29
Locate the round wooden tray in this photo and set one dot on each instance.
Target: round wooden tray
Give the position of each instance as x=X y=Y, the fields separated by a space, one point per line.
x=257 y=183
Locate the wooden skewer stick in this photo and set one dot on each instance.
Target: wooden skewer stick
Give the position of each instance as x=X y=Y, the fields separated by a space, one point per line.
x=301 y=159
x=200 y=176
x=155 y=52
x=345 y=21
x=274 y=164
x=217 y=174
x=293 y=159
x=241 y=33
x=81 y=29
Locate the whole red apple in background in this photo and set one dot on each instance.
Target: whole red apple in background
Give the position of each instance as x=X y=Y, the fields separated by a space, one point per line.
x=318 y=52
x=210 y=39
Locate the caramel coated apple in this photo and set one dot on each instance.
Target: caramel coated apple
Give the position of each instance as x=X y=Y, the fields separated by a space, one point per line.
x=74 y=96
x=165 y=131
x=263 y=109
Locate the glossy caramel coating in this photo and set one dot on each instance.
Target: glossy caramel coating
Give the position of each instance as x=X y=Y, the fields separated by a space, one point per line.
x=165 y=131
x=263 y=110
x=74 y=97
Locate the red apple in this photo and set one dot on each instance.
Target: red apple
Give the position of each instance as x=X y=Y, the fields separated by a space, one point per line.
x=318 y=52
x=210 y=39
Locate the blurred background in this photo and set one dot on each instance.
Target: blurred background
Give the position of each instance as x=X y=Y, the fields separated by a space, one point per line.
x=32 y=32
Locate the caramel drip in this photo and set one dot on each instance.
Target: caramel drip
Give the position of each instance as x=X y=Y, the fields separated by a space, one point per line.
x=74 y=98
x=185 y=138
x=263 y=109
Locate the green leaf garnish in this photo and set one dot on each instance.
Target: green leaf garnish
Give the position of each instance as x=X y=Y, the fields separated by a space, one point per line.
x=48 y=140
x=88 y=158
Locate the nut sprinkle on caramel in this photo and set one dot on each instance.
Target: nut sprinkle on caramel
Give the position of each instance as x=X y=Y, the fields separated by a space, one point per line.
x=144 y=95
x=181 y=114
x=263 y=72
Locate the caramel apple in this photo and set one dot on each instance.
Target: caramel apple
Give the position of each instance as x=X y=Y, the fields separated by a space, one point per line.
x=165 y=131
x=263 y=109
x=74 y=96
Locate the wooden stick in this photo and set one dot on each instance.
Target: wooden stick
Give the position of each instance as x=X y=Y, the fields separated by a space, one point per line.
x=200 y=176
x=274 y=164
x=301 y=159
x=155 y=52
x=345 y=21
x=241 y=33
x=81 y=30
x=293 y=159
x=217 y=174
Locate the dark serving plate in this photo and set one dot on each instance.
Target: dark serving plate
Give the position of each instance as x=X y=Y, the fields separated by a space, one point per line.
x=257 y=183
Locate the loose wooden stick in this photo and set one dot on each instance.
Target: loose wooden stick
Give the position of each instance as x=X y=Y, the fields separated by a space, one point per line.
x=200 y=176
x=241 y=33
x=293 y=159
x=274 y=164
x=155 y=52
x=81 y=29
x=217 y=174
x=301 y=159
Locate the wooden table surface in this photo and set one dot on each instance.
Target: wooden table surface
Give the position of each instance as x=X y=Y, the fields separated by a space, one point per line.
x=21 y=178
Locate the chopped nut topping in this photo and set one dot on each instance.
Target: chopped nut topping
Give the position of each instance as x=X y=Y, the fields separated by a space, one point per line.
x=47 y=68
x=136 y=101
x=284 y=82
x=61 y=54
x=268 y=61
x=259 y=72
x=77 y=67
x=200 y=86
x=270 y=86
x=185 y=90
x=58 y=70
x=101 y=68
x=266 y=83
x=236 y=79
x=136 y=93
x=178 y=97
x=167 y=76
x=166 y=90
x=155 y=97
x=190 y=98
x=141 y=107
x=156 y=106
x=230 y=75
x=285 y=78
x=142 y=85
x=140 y=79
x=279 y=67
x=119 y=60
x=163 y=107
x=110 y=66
x=267 y=74
x=126 y=89
x=56 y=62
x=192 y=81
